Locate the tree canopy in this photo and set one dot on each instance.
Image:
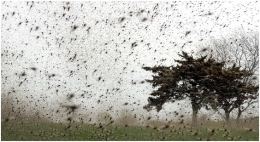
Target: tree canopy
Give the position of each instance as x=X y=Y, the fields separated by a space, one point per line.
x=240 y=47
x=205 y=81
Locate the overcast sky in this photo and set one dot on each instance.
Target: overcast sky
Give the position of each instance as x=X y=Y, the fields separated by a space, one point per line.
x=96 y=50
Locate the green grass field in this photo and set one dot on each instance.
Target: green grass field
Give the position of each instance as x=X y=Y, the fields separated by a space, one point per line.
x=27 y=131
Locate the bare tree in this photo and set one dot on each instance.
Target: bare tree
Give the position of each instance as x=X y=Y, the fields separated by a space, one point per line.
x=240 y=48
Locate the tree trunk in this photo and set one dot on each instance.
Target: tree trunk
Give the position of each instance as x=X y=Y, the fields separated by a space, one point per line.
x=194 y=117
x=238 y=115
x=227 y=113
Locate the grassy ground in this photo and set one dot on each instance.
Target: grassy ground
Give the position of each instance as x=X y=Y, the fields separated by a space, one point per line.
x=15 y=131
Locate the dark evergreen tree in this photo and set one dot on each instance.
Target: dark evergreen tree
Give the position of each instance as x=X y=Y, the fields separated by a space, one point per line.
x=230 y=90
x=206 y=82
x=189 y=79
